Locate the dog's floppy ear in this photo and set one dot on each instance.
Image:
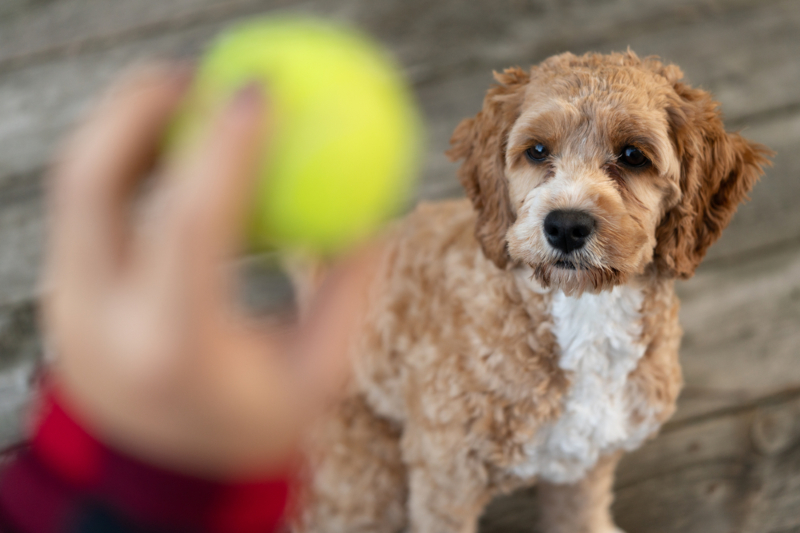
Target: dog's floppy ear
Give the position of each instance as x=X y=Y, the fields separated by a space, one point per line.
x=718 y=169
x=481 y=142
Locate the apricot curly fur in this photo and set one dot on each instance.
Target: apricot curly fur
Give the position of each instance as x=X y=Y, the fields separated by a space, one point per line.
x=718 y=170
x=491 y=359
x=481 y=143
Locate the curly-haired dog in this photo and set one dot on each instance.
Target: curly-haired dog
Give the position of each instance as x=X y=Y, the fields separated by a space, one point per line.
x=530 y=334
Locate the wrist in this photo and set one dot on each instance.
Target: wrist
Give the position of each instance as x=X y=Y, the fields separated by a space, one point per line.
x=152 y=493
x=178 y=428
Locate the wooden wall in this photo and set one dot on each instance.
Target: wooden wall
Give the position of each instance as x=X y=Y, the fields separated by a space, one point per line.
x=730 y=459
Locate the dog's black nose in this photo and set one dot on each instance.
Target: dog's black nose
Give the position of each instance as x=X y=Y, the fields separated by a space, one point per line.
x=568 y=230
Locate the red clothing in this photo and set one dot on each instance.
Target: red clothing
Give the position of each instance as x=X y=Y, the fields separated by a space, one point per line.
x=66 y=481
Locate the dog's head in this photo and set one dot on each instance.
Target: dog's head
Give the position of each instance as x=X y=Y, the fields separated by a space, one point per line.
x=592 y=169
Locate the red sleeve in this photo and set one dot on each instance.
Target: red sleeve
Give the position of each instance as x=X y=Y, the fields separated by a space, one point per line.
x=67 y=481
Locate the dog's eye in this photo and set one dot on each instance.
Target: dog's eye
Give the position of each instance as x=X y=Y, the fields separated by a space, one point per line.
x=537 y=152
x=633 y=157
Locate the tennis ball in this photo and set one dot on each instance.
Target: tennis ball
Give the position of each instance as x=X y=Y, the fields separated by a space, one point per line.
x=345 y=130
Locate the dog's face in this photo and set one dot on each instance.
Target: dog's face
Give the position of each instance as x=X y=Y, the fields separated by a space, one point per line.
x=593 y=169
x=590 y=171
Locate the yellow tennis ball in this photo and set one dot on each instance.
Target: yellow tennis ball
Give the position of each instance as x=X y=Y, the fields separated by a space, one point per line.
x=345 y=130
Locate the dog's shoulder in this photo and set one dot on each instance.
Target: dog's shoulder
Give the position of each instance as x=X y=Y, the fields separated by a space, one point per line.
x=434 y=231
x=434 y=260
x=443 y=315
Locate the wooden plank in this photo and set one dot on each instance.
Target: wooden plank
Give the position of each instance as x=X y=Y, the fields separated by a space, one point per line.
x=38 y=103
x=18 y=335
x=14 y=386
x=462 y=32
x=20 y=348
x=49 y=29
x=482 y=37
x=741 y=336
x=733 y=472
x=737 y=471
x=748 y=58
x=21 y=242
x=770 y=219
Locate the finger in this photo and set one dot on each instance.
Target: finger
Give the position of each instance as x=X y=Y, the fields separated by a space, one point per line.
x=97 y=171
x=335 y=319
x=203 y=225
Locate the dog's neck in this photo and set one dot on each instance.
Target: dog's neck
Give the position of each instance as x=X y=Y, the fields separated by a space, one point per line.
x=528 y=284
x=601 y=341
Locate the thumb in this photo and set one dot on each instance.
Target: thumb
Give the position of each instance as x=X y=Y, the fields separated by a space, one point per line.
x=334 y=321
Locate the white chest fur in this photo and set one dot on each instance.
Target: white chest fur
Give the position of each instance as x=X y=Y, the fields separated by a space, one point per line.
x=600 y=340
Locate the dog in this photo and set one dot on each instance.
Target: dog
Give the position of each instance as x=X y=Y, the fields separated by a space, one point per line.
x=529 y=334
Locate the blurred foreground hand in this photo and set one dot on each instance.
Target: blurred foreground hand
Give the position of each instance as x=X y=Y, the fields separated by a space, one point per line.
x=152 y=352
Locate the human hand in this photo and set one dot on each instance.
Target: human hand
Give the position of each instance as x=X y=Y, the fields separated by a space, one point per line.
x=153 y=354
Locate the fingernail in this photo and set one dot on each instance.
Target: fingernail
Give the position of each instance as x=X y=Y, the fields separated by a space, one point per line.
x=248 y=96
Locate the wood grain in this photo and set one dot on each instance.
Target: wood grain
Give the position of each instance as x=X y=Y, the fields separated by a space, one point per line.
x=729 y=461
x=422 y=31
x=38 y=103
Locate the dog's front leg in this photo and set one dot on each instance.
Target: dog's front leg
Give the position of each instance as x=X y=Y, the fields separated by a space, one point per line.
x=444 y=500
x=582 y=507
